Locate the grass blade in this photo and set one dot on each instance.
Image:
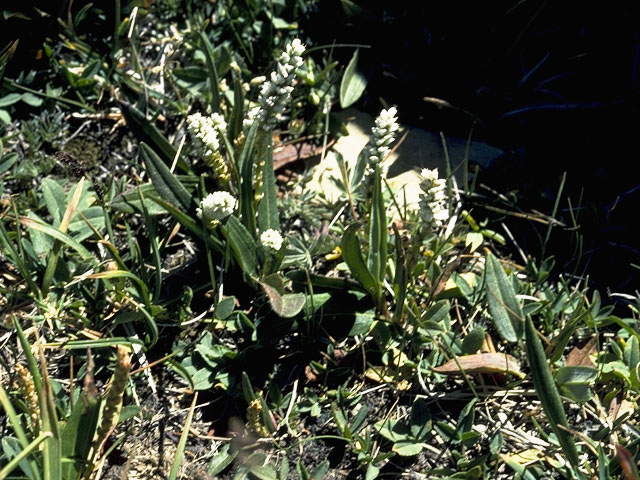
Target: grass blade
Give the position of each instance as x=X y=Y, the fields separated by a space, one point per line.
x=548 y=393
x=209 y=55
x=183 y=440
x=57 y=234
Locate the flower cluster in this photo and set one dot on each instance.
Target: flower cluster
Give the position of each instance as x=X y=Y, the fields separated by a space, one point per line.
x=216 y=206
x=433 y=199
x=205 y=131
x=276 y=91
x=271 y=240
x=382 y=136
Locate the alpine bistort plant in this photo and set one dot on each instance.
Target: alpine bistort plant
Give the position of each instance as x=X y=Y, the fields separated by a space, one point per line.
x=275 y=93
x=433 y=200
x=205 y=131
x=216 y=206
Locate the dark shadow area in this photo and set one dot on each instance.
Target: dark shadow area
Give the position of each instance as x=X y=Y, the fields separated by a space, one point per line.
x=553 y=84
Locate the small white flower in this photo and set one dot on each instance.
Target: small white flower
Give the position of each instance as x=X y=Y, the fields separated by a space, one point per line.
x=433 y=199
x=271 y=239
x=275 y=92
x=216 y=206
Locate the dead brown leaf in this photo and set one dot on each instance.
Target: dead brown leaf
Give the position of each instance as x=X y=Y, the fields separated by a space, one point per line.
x=579 y=356
x=481 y=363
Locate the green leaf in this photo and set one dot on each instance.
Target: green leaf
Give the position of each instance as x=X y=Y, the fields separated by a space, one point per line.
x=165 y=182
x=147 y=133
x=20 y=457
x=503 y=305
x=245 y=166
x=263 y=472
x=224 y=308
x=222 y=460
x=54 y=198
x=632 y=352
x=548 y=393
x=574 y=382
x=285 y=305
x=407 y=448
x=420 y=419
x=7 y=161
x=31 y=100
x=320 y=472
x=209 y=56
x=372 y=472
x=377 y=258
x=58 y=235
x=268 y=206
x=473 y=341
x=190 y=224
x=78 y=432
x=401 y=280
x=129 y=201
x=10 y=99
x=242 y=244
x=362 y=323
x=353 y=83
x=237 y=114
x=52 y=455
x=352 y=255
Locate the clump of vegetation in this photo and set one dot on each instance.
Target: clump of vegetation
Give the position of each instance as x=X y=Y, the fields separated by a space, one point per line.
x=273 y=334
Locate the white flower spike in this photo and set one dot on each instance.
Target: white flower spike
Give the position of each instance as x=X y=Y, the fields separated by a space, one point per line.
x=383 y=135
x=433 y=199
x=216 y=206
x=205 y=131
x=275 y=93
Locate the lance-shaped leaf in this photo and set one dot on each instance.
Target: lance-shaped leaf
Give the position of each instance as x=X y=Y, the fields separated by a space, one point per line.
x=237 y=114
x=146 y=132
x=353 y=83
x=268 y=206
x=164 y=181
x=352 y=255
x=242 y=244
x=245 y=167
x=503 y=305
x=548 y=393
x=377 y=258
